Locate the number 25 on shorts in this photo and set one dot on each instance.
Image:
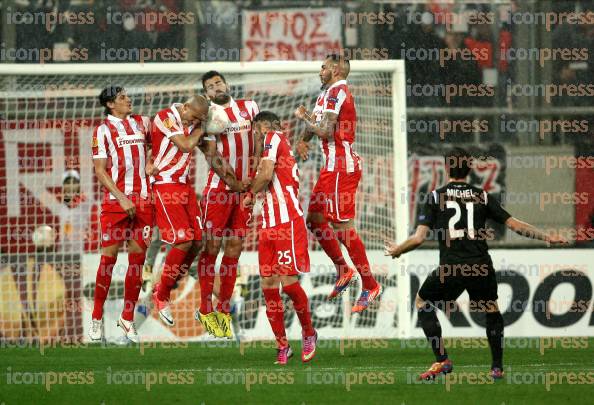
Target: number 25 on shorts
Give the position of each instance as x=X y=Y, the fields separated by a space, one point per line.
x=284 y=257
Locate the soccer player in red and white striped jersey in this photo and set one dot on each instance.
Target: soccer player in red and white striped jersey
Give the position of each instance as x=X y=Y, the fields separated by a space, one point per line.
x=177 y=130
x=282 y=242
x=223 y=215
x=119 y=157
x=333 y=197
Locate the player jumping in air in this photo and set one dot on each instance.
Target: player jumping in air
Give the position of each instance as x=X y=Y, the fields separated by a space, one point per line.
x=223 y=215
x=282 y=242
x=333 y=197
x=177 y=130
x=119 y=157
x=457 y=212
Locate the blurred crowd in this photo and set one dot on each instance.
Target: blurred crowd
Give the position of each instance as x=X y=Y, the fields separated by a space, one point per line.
x=160 y=24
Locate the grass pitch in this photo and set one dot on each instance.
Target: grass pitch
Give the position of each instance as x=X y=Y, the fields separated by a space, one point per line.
x=370 y=372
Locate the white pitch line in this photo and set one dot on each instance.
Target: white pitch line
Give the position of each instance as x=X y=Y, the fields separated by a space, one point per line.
x=306 y=369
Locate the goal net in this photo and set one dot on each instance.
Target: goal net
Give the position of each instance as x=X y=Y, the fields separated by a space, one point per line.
x=49 y=230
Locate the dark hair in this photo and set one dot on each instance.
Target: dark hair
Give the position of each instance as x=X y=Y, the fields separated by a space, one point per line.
x=458 y=162
x=71 y=179
x=109 y=94
x=268 y=116
x=209 y=75
x=334 y=57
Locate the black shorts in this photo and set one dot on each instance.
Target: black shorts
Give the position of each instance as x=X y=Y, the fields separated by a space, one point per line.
x=448 y=281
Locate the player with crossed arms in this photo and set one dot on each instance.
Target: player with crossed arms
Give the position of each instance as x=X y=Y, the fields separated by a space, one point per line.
x=119 y=157
x=458 y=213
x=282 y=241
x=177 y=130
x=333 y=197
x=223 y=214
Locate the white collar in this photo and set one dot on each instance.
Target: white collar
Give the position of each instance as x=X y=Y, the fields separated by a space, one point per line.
x=116 y=119
x=175 y=112
x=338 y=83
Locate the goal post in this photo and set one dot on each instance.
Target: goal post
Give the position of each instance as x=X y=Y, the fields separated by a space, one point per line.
x=49 y=111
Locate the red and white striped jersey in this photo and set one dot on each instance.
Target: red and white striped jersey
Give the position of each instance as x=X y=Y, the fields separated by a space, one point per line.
x=281 y=204
x=173 y=164
x=338 y=151
x=123 y=143
x=235 y=143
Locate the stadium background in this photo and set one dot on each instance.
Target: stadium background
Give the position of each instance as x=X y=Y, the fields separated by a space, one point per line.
x=506 y=123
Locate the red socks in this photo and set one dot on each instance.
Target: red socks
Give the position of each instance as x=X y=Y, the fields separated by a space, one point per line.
x=227 y=275
x=132 y=284
x=171 y=270
x=325 y=235
x=206 y=274
x=356 y=249
x=190 y=256
x=276 y=315
x=301 y=305
x=102 y=283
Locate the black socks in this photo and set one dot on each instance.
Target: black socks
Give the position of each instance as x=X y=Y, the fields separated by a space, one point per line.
x=495 y=337
x=432 y=329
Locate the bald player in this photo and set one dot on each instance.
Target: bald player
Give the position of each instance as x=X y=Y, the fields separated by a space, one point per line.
x=333 y=198
x=176 y=131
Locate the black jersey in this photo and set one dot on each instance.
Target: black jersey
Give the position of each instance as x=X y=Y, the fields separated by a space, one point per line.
x=457 y=212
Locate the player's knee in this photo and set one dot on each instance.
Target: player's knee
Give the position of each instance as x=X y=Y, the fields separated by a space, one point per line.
x=185 y=246
x=197 y=246
x=213 y=247
x=419 y=302
x=134 y=247
x=289 y=280
x=233 y=247
x=111 y=251
x=314 y=218
x=268 y=282
x=494 y=319
x=343 y=226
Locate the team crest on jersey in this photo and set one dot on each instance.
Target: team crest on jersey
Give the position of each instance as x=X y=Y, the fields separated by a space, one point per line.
x=244 y=114
x=168 y=123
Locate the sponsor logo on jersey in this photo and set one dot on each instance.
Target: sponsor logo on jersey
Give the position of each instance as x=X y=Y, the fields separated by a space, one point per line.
x=238 y=127
x=130 y=140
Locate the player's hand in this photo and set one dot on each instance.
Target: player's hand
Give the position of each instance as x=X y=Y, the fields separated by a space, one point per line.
x=248 y=201
x=302 y=150
x=557 y=240
x=246 y=184
x=391 y=249
x=151 y=169
x=128 y=206
x=301 y=113
x=236 y=186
